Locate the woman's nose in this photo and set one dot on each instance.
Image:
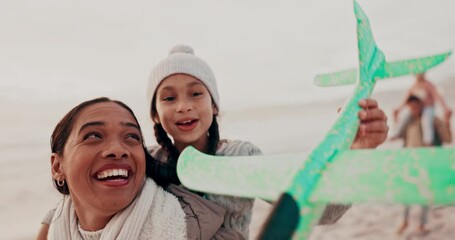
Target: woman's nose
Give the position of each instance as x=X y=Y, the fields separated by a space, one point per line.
x=115 y=150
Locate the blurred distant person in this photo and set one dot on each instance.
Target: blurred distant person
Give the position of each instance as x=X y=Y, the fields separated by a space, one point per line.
x=413 y=137
x=426 y=92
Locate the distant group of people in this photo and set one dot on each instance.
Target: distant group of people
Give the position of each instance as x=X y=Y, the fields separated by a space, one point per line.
x=419 y=105
x=115 y=187
x=418 y=125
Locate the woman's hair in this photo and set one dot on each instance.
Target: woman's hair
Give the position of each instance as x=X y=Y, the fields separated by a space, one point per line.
x=168 y=169
x=63 y=130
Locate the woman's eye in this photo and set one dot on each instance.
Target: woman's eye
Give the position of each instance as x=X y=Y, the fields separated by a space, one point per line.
x=134 y=136
x=168 y=99
x=195 y=94
x=92 y=135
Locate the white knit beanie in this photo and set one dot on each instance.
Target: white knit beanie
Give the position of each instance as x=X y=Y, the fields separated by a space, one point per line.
x=181 y=59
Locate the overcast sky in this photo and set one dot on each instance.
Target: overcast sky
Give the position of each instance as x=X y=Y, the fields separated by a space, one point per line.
x=262 y=52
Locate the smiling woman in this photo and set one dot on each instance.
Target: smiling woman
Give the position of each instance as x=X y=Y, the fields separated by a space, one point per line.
x=105 y=140
x=99 y=163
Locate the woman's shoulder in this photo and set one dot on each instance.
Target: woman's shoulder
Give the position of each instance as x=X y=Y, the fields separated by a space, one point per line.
x=165 y=218
x=237 y=148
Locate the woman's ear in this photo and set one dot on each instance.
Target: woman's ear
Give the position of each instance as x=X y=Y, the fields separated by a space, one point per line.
x=56 y=167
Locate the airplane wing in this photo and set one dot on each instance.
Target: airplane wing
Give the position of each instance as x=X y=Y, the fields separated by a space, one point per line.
x=391 y=69
x=344 y=77
x=354 y=176
x=407 y=176
x=264 y=177
x=414 y=66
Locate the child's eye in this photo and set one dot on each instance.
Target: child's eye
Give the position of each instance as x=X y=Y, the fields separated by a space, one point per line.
x=92 y=135
x=195 y=94
x=168 y=99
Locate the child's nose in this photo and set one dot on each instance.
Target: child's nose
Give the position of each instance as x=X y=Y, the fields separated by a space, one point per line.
x=184 y=106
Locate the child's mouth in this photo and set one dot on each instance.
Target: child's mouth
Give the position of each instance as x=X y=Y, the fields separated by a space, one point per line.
x=187 y=125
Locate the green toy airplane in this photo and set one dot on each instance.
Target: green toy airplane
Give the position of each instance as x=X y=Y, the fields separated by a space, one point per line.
x=302 y=184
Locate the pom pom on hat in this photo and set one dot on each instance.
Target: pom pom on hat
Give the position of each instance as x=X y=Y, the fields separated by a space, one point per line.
x=181 y=59
x=181 y=49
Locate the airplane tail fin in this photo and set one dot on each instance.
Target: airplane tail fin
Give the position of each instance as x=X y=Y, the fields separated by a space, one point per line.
x=371 y=58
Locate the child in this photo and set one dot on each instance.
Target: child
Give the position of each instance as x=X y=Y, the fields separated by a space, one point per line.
x=184 y=105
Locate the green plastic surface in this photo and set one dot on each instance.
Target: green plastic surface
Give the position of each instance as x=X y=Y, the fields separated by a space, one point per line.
x=407 y=176
x=264 y=177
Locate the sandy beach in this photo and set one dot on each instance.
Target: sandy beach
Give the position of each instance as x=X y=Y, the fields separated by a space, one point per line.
x=27 y=191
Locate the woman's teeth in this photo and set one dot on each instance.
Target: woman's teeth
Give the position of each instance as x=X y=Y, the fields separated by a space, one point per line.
x=123 y=173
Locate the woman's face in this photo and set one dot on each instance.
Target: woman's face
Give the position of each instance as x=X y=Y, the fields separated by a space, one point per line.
x=103 y=161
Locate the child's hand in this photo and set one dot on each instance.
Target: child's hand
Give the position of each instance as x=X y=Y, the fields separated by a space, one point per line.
x=373 y=126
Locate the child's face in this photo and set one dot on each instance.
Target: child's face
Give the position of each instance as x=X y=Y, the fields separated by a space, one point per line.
x=415 y=108
x=185 y=110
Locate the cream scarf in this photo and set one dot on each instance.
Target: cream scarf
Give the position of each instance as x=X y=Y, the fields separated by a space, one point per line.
x=153 y=214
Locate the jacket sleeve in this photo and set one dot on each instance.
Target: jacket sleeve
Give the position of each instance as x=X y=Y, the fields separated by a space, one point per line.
x=332 y=213
x=204 y=219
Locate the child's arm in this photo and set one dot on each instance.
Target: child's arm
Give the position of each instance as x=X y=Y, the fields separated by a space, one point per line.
x=372 y=131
